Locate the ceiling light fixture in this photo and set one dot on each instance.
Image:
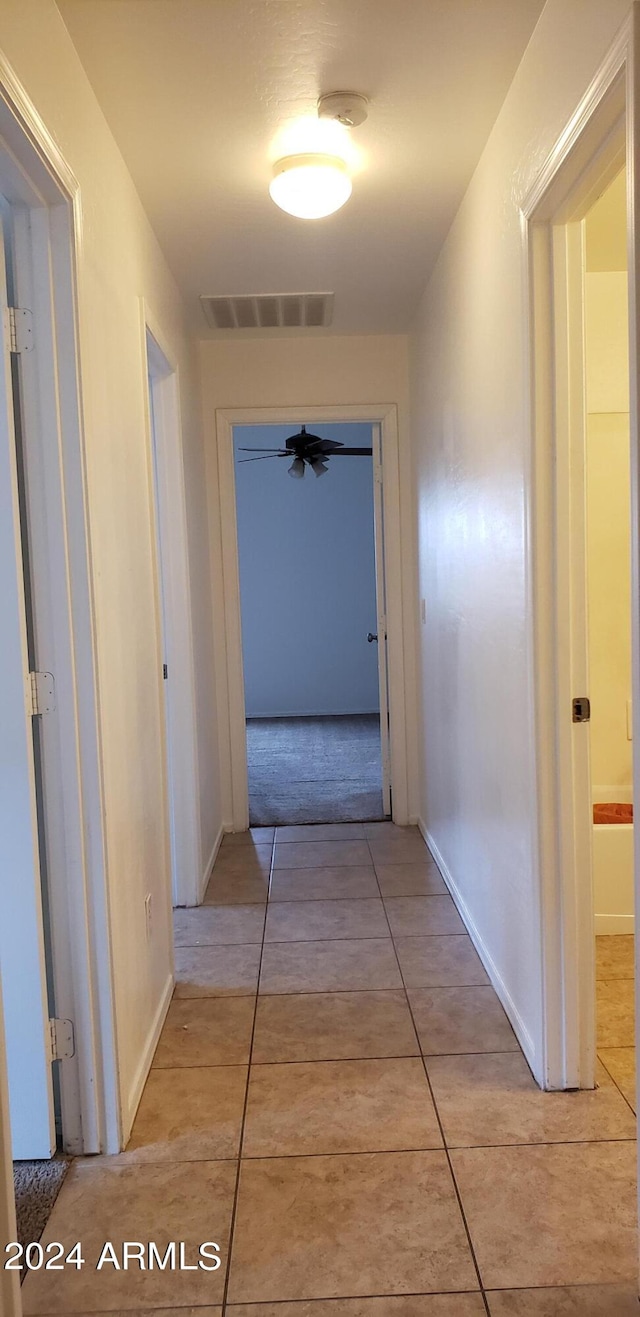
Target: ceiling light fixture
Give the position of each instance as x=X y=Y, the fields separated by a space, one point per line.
x=310 y=186
x=313 y=184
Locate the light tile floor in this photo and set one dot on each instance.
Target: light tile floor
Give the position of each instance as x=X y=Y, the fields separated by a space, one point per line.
x=616 y=1011
x=338 y=1100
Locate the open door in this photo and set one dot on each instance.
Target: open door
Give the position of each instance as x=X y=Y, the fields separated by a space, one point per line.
x=22 y=951
x=381 y=608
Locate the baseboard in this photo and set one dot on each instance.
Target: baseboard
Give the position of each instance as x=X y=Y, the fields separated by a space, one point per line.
x=607 y=925
x=144 y=1064
x=513 y=1015
x=208 y=868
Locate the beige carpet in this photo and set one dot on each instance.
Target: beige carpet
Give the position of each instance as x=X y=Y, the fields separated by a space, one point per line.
x=37 y=1185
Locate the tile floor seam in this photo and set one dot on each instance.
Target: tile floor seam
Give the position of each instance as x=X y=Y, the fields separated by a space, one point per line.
x=334 y=1060
x=348 y=937
x=234 y=1206
x=219 y=1065
x=526 y=1289
x=408 y=936
x=335 y=1152
x=615 y=1082
x=337 y=992
x=537 y=1143
x=213 y=946
x=440 y=1125
x=210 y=996
x=343 y=1298
x=351 y=1298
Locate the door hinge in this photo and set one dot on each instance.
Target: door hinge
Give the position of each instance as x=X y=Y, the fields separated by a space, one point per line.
x=377 y=473
x=43 y=693
x=19 y=329
x=62 y=1040
x=165 y=671
x=581 y=709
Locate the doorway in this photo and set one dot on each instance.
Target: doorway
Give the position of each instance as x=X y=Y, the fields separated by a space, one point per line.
x=608 y=562
x=580 y=437
x=61 y=1093
x=54 y=946
x=34 y=1103
x=313 y=623
x=383 y=420
x=175 y=643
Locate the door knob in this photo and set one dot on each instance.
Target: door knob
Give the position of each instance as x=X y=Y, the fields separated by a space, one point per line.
x=371 y=637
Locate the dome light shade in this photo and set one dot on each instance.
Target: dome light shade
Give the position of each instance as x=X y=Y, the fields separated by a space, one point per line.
x=310 y=186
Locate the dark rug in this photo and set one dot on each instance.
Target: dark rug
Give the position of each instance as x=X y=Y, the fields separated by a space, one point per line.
x=314 y=770
x=37 y=1185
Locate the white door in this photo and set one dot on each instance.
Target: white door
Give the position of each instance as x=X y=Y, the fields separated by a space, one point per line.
x=381 y=608
x=22 y=955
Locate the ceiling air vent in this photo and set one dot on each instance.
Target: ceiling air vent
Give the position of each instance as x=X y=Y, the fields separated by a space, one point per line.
x=269 y=311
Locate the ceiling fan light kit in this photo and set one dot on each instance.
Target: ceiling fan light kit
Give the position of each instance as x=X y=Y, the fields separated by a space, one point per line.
x=313 y=185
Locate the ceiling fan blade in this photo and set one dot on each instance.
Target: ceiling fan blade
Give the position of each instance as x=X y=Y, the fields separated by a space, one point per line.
x=328 y=446
x=353 y=452
x=242 y=460
x=261 y=450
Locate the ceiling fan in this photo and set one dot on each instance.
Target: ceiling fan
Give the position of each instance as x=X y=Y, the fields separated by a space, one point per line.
x=307 y=450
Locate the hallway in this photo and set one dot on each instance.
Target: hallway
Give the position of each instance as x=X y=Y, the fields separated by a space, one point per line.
x=364 y=1125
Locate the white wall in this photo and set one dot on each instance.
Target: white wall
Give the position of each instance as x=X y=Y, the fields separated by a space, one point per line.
x=471 y=433
x=315 y=371
x=307 y=578
x=608 y=532
x=120 y=262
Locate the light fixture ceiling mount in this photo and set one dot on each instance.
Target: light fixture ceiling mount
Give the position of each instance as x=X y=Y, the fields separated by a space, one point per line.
x=313 y=184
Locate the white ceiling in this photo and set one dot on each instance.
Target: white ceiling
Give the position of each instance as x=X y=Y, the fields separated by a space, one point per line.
x=201 y=96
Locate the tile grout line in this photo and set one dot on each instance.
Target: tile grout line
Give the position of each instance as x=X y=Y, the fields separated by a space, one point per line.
x=440 y=1125
x=234 y=1209
x=615 y=1082
x=374 y=1152
x=349 y=1298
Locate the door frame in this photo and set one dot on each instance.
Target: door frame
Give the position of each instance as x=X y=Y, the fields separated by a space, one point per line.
x=231 y=689
x=381 y=614
x=173 y=584
x=36 y=178
x=600 y=138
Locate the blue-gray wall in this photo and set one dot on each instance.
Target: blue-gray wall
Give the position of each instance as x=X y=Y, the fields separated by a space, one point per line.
x=307 y=578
